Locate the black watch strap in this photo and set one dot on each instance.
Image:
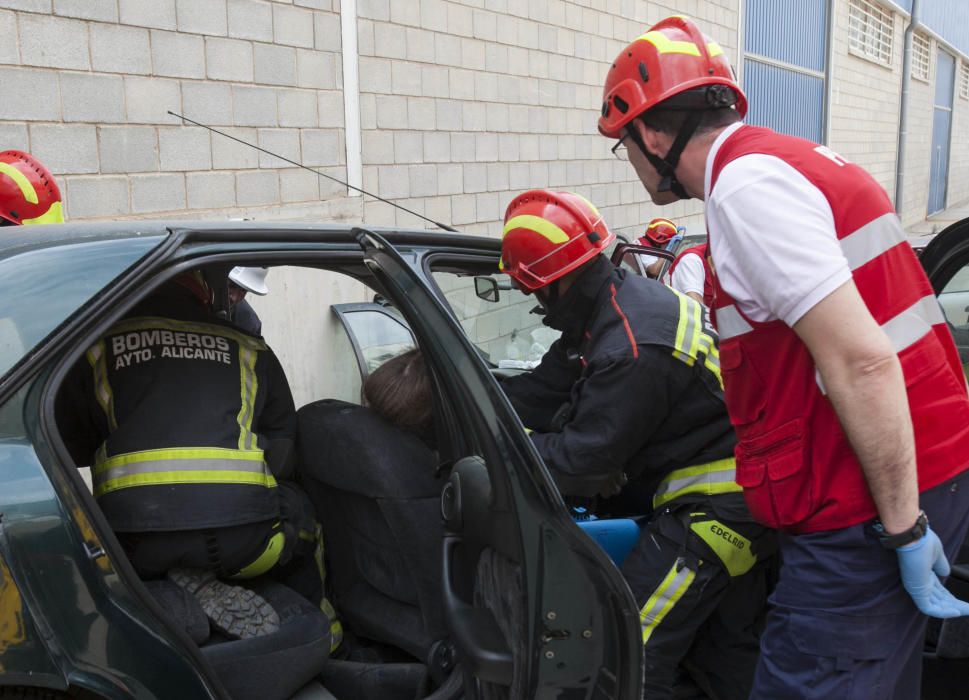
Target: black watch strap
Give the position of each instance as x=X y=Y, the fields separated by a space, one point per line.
x=916 y=532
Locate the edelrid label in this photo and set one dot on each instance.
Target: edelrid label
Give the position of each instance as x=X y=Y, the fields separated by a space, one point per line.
x=142 y=346
x=729 y=537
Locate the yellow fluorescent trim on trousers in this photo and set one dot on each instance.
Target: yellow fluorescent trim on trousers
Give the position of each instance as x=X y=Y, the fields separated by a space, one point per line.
x=26 y=189
x=54 y=215
x=541 y=226
x=176 y=477
x=732 y=548
x=670 y=591
x=265 y=561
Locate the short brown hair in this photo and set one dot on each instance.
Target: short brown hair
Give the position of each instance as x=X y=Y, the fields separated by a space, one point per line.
x=400 y=392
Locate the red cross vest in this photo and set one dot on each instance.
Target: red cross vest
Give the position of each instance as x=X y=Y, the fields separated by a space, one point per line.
x=700 y=250
x=798 y=471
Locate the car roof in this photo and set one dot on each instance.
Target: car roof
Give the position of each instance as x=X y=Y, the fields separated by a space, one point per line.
x=57 y=234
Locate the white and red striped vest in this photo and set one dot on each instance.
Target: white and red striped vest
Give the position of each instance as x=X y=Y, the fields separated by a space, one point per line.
x=701 y=251
x=798 y=471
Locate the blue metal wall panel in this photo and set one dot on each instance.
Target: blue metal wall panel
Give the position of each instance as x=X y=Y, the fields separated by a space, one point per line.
x=792 y=31
x=789 y=102
x=949 y=19
x=941 y=131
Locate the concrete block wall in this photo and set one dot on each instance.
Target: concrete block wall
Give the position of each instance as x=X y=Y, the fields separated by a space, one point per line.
x=918 y=145
x=465 y=103
x=958 y=190
x=89 y=84
x=868 y=94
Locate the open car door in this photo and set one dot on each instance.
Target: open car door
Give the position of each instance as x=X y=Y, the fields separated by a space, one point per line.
x=946 y=261
x=534 y=608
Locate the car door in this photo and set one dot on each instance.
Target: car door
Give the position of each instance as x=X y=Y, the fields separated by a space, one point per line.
x=534 y=607
x=946 y=658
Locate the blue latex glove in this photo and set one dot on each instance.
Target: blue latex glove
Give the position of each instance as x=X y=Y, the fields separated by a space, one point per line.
x=919 y=562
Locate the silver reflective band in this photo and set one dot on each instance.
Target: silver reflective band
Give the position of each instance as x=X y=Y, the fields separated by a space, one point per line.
x=871 y=240
x=911 y=325
x=159 y=466
x=907 y=327
x=709 y=481
x=730 y=323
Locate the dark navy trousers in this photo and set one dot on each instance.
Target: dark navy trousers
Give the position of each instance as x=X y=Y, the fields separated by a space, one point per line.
x=841 y=626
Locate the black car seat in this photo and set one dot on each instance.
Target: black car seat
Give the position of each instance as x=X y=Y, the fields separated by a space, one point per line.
x=377 y=498
x=269 y=667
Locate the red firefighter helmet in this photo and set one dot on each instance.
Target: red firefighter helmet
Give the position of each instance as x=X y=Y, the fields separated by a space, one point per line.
x=28 y=193
x=658 y=233
x=548 y=234
x=672 y=59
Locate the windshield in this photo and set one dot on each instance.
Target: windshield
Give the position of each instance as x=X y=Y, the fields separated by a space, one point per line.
x=41 y=287
x=504 y=330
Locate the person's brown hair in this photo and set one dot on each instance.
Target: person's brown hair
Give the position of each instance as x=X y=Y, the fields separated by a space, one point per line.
x=399 y=390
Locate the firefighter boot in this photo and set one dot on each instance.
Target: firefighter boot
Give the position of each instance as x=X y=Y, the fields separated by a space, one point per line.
x=234 y=611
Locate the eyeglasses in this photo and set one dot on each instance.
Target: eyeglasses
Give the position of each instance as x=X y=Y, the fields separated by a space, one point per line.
x=620 y=150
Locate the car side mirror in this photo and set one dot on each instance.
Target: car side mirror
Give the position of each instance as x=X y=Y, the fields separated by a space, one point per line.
x=486 y=288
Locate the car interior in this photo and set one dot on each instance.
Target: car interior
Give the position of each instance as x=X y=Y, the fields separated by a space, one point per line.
x=377 y=493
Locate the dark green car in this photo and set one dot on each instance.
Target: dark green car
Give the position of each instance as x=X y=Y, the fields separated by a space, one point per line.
x=468 y=581
x=496 y=594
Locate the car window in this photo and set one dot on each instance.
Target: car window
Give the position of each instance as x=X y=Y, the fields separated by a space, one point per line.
x=377 y=333
x=41 y=287
x=505 y=331
x=954 y=300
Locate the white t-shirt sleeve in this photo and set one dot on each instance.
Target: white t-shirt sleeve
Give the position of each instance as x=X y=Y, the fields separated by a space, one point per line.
x=773 y=239
x=689 y=275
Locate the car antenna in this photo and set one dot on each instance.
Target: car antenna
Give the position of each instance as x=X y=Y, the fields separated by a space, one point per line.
x=313 y=170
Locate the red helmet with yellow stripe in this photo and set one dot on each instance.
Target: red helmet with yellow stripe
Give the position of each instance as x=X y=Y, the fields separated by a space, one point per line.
x=28 y=193
x=672 y=60
x=658 y=233
x=548 y=234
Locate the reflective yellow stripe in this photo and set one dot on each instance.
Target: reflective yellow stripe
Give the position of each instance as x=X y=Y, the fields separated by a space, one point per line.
x=710 y=479
x=26 y=189
x=220 y=455
x=265 y=561
x=732 y=548
x=681 y=326
x=336 y=629
x=664 y=44
x=696 y=310
x=539 y=225
x=714 y=49
x=54 y=215
x=589 y=204
x=669 y=592
x=183 y=477
x=102 y=388
x=249 y=384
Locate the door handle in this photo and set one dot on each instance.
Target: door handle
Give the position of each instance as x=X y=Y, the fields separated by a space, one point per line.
x=474 y=631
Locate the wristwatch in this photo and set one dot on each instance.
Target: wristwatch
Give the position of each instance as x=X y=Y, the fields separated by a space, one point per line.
x=916 y=532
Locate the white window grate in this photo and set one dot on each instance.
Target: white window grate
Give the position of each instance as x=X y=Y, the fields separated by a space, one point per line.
x=921 y=53
x=870 y=31
x=964 y=80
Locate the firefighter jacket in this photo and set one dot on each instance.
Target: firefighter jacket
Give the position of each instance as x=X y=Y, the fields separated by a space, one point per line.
x=632 y=386
x=174 y=410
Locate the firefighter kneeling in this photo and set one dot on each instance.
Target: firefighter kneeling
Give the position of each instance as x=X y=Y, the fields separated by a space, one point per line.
x=189 y=424
x=639 y=373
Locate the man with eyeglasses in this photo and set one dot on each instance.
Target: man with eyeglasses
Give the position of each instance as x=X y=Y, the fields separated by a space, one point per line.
x=840 y=375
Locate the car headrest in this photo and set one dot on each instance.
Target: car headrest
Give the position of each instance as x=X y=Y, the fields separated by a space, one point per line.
x=351 y=448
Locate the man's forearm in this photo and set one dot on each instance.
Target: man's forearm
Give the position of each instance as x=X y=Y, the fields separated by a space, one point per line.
x=872 y=406
x=864 y=381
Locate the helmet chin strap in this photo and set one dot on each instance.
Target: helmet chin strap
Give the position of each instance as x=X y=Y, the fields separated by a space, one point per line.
x=666 y=166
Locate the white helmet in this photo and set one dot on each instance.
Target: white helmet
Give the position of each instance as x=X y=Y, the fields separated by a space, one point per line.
x=252 y=279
